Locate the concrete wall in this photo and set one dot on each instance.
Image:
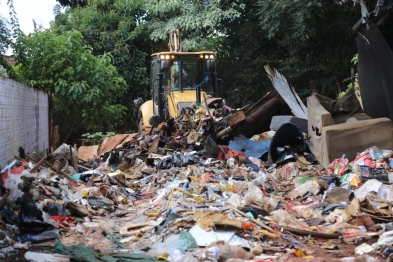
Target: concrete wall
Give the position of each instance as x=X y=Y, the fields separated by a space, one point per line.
x=23 y=120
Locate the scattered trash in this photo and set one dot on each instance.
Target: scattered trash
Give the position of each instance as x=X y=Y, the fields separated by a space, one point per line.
x=193 y=189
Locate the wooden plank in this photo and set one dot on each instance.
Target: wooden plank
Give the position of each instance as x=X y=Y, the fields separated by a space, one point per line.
x=259 y=223
x=75 y=159
x=223 y=132
x=313 y=90
x=154 y=145
x=236 y=118
x=383 y=18
x=35 y=168
x=205 y=104
x=87 y=152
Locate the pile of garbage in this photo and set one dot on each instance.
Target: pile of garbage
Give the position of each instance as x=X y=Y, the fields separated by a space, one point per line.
x=185 y=198
x=205 y=186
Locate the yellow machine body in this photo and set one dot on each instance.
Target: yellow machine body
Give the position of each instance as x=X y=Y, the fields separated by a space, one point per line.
x=177 y=80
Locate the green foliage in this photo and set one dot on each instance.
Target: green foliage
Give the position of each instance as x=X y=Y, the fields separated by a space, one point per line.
x=74 y=3
x=115 y=28
x=355 y=59
x=98 y=137
x=314 y=40
x=84 y=89
x=304 y=41
x=241 y=55
x=198 y=21
x=14 y=23
x=5 y=34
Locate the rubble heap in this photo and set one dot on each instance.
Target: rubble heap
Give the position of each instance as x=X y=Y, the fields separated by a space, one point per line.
x=189 y=191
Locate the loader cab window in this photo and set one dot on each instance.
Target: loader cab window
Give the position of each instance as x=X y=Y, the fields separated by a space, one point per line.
x=189 y=75
x=194 y=72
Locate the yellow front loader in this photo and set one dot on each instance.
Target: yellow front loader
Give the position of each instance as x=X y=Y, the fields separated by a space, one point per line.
x=177 y=80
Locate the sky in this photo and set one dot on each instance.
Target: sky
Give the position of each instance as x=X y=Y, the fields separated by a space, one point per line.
x=27 y=10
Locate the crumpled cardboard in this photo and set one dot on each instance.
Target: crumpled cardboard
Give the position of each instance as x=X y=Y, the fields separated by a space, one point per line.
x=207 y=220
x=371 y=205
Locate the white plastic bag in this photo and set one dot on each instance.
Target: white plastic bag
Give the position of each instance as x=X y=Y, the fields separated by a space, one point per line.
x=254 y=194
x=301 y=189
x=45 y=257
x=235 y=200
x=11 y=183
x=371 y=185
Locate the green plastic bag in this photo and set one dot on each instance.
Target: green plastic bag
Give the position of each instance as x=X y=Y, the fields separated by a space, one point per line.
x=186 y=241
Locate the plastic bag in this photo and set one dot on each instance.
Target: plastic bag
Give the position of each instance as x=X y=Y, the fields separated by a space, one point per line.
x=45 y=175
x=231 y=251
x=282 y=217
x=261 y=178
x=301 y=189
x=64 y=149
x=227 y=186
x=48 y=220
x=47 y=235
x=45 y=257
x=254 y=194
x=178 y=256
x=210 y=193
x=178 y=160
x=257 y=162
x=338 y=226
x=11 y=183
x=55 y=209
x=269 y=203
x=371 y=185
x=239 y=186
x=385 y=238
x=339 y=166
x=308 y=213
x=66 y=194
x=186 y=241
x=235 y=200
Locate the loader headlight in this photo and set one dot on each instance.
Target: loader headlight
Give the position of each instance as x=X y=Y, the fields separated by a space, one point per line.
x=206 y=56
x=162 y=56
x=211 y=56
x=167 y=57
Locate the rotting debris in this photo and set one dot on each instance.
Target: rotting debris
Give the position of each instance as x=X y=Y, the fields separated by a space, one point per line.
x=188 y=197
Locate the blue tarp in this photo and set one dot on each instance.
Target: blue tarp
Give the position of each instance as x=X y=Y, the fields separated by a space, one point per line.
x=249 y=147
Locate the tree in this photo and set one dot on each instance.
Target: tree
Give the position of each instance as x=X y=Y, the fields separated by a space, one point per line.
x=305 y=41
x=241 y=55
x=5 y=35
x=315 y=38
x=117 y=28
x=83 y=88
x=73 y=3
x=8 y=29
x=198 y=21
